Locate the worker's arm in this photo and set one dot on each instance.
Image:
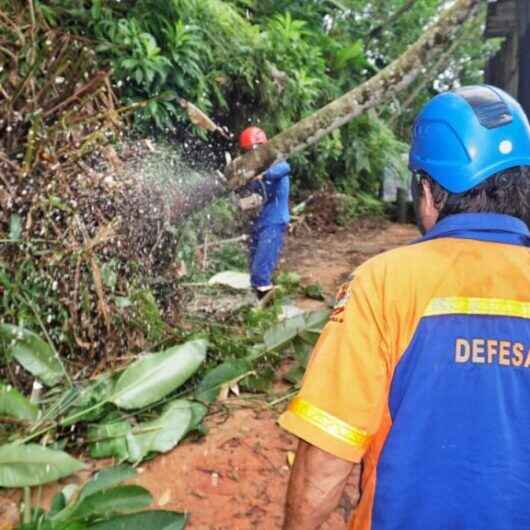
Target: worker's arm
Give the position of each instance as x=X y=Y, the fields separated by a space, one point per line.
x=255 y=184
x=277 y=171
x=315 y=487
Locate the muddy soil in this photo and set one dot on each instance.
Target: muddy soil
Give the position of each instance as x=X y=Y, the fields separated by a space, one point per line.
x=328 y=258
x=235 y=478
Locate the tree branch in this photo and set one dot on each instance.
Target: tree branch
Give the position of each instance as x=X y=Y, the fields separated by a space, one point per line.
x=390 y=20
x=396 y=77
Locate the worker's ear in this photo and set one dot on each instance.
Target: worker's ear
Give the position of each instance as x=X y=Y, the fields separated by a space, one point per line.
x=427 y=211
x=428 y=196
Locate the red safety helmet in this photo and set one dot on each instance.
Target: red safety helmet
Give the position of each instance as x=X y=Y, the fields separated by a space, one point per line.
x=252 y=136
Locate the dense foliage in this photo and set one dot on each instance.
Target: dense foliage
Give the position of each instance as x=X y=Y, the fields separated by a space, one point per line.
x=90 y=254
x=272 y=62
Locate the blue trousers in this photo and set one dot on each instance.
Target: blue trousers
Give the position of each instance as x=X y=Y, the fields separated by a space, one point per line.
x=266 y=244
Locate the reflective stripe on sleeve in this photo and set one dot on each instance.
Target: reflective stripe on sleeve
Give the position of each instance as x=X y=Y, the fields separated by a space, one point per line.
x=329 y=423
x=478 y=306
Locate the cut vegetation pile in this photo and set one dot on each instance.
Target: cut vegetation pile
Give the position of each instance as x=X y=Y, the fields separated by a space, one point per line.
x=80 y=232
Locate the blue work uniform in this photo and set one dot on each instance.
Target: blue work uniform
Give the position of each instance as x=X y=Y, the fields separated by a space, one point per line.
x=268 y=231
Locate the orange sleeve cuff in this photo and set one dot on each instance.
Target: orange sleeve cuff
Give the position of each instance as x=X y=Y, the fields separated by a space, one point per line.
x=322 y=436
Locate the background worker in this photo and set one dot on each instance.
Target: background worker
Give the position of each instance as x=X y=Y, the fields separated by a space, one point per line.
x=268 y=230
x=423 y=372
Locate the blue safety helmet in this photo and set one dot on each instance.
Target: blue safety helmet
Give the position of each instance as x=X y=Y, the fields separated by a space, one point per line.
x=461 y=138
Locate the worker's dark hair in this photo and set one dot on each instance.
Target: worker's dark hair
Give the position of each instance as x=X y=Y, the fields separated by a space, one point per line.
x=506 y=192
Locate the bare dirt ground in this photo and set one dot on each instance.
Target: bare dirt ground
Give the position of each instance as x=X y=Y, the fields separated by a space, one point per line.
x=235 y=478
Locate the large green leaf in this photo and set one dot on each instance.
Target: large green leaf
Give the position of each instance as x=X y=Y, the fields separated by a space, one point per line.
x=14 y=404
x=316 y=320
x=68 y=525
x=210 y=386
x=288 y=329
x=82 y=407
x=198 y=411
x=109 y=440
x=34 y=354
x=284 y=332
x=32 y=465
x=153 y=377
x=150 y=520
x=120 y=499
x=106 y=478
x=301 y=351
x=62 y=499
x=87 y=500
x=161 y=434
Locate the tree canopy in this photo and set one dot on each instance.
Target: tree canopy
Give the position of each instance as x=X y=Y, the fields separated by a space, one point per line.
x=273 y=63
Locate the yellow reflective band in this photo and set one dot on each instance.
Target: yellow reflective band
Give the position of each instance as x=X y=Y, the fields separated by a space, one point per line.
x=478 y=306
x=329 y=424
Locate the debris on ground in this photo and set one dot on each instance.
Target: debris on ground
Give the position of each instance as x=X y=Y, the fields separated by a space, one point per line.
x=233 y=279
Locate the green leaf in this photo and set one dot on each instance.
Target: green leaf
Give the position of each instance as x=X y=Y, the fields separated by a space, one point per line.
x=288 y=329
x=161 y=434
x=198 y=411
x=68 y=525
x=122 y=302
x=58 y=503
x=301 y=349
x=284 y=332
x=129 y=64
x=148 y=314
x=316 y=320
x=120 y=499
x=14 y=404
x=109 y=439
x=33 y=465
x=34 y=354
x=209 y=388
x=353 y=54
x=314 y=291
x=88 y=502
x=15 y=227
x=61 y=500
x=289 y=279
x=149 y=379
x=168 y=95
x=107 y=478
x=57 y=202
x=109 y=275
x=150 y=520
x=96 y=392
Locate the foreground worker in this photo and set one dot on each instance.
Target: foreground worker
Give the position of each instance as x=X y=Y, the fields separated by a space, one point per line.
x=423 y=372
x=268 y=231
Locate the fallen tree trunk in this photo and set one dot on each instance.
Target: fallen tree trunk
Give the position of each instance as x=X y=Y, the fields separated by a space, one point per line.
x=377 y=90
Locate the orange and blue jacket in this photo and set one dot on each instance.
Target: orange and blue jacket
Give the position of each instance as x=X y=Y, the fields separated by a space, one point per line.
x=423 y=374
